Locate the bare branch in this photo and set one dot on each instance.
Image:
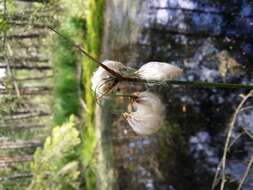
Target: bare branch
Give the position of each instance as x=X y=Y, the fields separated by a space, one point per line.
x=227 y=143
x=246 y=173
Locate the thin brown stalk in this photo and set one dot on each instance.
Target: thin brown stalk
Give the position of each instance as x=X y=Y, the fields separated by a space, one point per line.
x=117 y=75
x=228 y=138
x=216 y=176
x=245 y=174
x=246 y=131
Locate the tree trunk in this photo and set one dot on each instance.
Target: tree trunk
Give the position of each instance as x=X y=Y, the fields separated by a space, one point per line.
x=23 y=36
x=6 y=161
x=22 y=127
x=24 y=59
x=20 y=144
x=25 y=116
x=17 y=176
x=21 y=66
x=28 y=91
x=23 y=16
x=34 y=78
x=27 y=23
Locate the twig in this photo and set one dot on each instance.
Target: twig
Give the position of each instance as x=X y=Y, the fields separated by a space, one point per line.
x=84 y=106
x=216 y=176
x=247 y=108
x=245 y=174
x=109 y=89
x=231 y=126
x=117 y=75
x=247 y=132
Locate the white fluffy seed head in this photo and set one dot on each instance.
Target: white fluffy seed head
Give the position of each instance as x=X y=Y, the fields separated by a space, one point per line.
x=148 y=100
x=147 y=124
x=99 y=80
x=159 y=71
x=148 y=114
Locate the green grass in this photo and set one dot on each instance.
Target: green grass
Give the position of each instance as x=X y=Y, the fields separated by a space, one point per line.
x=92 y=45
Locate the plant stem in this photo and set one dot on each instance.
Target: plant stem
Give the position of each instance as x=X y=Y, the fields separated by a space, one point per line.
x=211 y=84
x=120 y=78
x=197 y=84
x=87 y=54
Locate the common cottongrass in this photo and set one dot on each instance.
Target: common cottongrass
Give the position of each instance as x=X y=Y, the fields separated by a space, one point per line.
x=159 y=71
x=100 y=79
x=146 y=114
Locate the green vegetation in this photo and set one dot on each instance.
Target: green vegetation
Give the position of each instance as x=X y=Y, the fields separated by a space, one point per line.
x=82 y=155
x=67 y=90
x=92 y=45
x=4 y=26
x=55 y=166
x=66 y=64
x=9 y=185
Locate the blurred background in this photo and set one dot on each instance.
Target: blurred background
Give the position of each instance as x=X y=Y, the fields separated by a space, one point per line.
x=53 y=135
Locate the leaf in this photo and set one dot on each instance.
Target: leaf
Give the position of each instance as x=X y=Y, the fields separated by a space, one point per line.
x=54 y=165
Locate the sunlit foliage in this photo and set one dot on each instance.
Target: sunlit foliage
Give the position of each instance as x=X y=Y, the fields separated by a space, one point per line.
x=66 y=71
x=55 y=166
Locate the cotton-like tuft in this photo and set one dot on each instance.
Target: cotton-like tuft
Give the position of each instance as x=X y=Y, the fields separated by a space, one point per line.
x=149 y=99
x=147 y=115
x=99 y=80
x=147 y=124
x=159 y=71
